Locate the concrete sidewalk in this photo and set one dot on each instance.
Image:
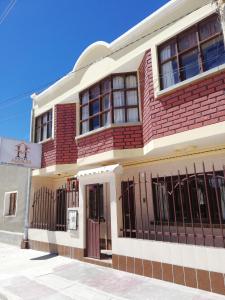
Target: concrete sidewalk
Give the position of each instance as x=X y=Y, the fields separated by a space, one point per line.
x=29 y=274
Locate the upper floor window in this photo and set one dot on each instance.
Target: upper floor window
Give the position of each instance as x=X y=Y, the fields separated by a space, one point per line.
x=198 y=49
x=112 y=100
x=43 y=126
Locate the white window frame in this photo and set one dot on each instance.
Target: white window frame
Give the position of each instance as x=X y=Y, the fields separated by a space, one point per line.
x=167 y=34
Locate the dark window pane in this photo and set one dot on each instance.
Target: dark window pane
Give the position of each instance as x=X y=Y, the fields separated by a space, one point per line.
x=187 y=40
x=169 y=75
x=106 y=102
x=167 y=51
x=106 y=86
x=94 y=92
x=44 y=132
x=209 y=28
x=84 y=127
x=106 y=118
x=50 y=116
x=95 y=122
x=213 y=53
x=189 y=65
x=85 y=112
x=38 y=135
x=49 y=132
x=84 y=98
x=94 y=107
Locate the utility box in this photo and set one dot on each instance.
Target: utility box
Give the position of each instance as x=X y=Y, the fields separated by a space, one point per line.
x=72 y=218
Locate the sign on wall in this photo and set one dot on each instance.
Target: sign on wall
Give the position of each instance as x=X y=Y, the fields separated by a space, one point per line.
x=20 y=153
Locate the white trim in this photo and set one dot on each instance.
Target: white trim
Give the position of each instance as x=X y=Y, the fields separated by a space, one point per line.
x=112 y=125
x=187 y=138
x=101 y=170
x=190 y=80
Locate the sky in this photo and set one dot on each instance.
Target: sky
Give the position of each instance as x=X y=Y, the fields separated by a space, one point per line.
x=40 y=41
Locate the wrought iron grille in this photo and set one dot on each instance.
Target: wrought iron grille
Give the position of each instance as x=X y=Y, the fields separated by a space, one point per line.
x=187 y=208
x=49 y=208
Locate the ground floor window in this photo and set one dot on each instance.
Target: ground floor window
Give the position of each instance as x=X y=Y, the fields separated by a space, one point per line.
x=188 y=207
x=10 y=203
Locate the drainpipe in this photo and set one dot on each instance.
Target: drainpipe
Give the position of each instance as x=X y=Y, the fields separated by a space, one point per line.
x=25 y=241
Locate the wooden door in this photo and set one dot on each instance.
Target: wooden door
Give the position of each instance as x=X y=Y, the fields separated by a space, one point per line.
x=95 y=214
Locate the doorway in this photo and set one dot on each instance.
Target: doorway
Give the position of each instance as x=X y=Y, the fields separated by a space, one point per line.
x=98 y=221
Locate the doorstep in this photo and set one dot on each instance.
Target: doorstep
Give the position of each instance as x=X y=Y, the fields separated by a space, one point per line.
x=103 y=262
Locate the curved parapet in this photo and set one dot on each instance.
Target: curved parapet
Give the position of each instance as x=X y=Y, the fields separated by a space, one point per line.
x=91 y=54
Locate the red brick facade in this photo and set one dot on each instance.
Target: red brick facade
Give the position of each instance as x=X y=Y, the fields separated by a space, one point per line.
x=198 y=104
x=62 y=150
x=126 y=137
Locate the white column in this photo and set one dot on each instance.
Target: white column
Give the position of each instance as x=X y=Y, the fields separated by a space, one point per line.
x=82 y=215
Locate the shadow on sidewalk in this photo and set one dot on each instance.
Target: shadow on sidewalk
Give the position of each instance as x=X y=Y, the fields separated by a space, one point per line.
x=45 y=257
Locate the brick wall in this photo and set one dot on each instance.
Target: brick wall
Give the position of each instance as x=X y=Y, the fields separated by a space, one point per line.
x=63 y=149
x=196 y=105
x=125 y=137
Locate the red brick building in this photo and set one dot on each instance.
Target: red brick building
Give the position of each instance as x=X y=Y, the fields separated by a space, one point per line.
x=134 y=151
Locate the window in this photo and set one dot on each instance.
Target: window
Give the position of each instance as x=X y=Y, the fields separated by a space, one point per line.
x=10 y=204
x=43 y=126
x=113 y=100
x=194 y=51
x=190 y=198
x=96 y=202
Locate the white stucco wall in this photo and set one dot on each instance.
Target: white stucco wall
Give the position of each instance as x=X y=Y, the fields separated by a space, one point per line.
x=13 y=179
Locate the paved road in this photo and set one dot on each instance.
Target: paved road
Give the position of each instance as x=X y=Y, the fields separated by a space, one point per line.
x=33 y=275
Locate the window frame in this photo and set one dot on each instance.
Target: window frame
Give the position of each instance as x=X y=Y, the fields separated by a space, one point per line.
x=198 y=46
x=110 y=110
x=48 y=124
x=10 y=209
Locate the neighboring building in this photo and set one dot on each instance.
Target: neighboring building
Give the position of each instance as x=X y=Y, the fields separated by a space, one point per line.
x=133 y=144
x=13 y=191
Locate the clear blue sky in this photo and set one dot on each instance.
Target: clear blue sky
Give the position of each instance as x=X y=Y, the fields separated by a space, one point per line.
x=40 y=41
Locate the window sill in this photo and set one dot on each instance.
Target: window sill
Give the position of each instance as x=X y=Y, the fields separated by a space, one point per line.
x=189 y=81
x=45 y=141
x=105 y=128
x=10 y=216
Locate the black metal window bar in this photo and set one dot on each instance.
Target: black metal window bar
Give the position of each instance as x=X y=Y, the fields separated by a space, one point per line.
x=49 y=208
x=187 y=208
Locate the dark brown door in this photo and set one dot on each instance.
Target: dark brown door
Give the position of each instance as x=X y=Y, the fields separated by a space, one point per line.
x=95 y=215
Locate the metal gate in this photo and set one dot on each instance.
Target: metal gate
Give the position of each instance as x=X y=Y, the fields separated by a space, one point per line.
x=49 y=208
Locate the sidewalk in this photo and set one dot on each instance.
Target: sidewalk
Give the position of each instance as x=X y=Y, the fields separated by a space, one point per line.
x=29 y=274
